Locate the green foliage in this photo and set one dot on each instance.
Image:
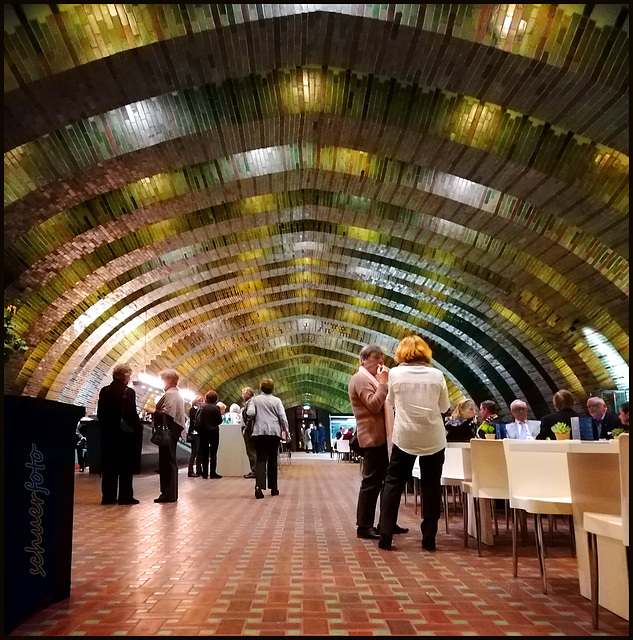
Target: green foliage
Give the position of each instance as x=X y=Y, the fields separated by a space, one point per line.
x=13 y=344
x=487 y=428
x=560 y=427
x=616 y=432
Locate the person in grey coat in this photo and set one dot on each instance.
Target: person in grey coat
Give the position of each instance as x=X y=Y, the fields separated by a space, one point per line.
x=269 y=427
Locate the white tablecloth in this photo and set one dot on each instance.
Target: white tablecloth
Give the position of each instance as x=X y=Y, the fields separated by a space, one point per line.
x=232 y=458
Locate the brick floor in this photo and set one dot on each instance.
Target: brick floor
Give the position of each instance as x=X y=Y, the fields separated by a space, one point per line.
x=220 y=562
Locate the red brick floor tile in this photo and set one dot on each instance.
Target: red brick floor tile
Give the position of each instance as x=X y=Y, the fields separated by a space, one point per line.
x=220 y=562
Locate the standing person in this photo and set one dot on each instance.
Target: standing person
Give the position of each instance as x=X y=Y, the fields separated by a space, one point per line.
x=420 y=396
x=603 y=421
x=269 y=427
x=489 y=413
x=367 y=391
x=170 y=412
x=307 y=439
x=462 y=424
x=563 y=402
x=119 y=442
x=208 y=426
x=81 y=444
x=234 y=416
x=323 y=444
x=193 y=438
x=247 y=431
x=314 y=437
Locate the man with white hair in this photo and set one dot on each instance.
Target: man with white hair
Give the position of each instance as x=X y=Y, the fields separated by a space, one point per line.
x=602 y=421
x=522 y=428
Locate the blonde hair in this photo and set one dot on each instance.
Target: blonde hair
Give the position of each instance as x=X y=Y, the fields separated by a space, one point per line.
x=170 y=374
x=460 y=408
x=413 y=349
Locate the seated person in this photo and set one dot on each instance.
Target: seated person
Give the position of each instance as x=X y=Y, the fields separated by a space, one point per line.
x=522 y=428
x=603 y=421
x=348 y=434
x=563 y=402
x=340 y=433
x=461 y=426
x=624 y=416
x=489 y=412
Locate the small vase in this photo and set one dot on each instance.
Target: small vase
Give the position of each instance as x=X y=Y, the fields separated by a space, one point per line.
x=562 y=436
x=491 y=436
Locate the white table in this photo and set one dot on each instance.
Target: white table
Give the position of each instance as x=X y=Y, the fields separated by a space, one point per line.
x=232 y=458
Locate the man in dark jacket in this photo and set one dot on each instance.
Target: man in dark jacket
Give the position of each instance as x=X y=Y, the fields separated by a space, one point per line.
x=563 y=402
x=121 y=429
x=603 y=421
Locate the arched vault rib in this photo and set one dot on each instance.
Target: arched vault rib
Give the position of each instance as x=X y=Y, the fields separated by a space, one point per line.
x=443 y=59
x=333 y=220
x=35 y=178
x=93 y=371
x=153 y=296
x=177 y=193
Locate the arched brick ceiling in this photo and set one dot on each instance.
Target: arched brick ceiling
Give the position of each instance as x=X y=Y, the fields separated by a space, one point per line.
x=249 y=190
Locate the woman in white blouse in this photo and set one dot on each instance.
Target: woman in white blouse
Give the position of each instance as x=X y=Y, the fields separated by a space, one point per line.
x=419 y=394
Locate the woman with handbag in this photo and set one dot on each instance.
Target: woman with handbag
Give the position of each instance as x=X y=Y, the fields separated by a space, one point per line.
x=270 y=426
x=169 y=422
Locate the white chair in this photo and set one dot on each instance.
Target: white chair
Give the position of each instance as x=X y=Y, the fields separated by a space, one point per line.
x=608 y=525
x=489 y=480
x=538 y=480
x=342 y=448
x=453 y=473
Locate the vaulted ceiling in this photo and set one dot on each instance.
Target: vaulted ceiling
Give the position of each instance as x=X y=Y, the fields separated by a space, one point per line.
x=252 y=190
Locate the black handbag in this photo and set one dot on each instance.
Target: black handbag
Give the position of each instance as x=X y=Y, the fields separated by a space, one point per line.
x=161 y=435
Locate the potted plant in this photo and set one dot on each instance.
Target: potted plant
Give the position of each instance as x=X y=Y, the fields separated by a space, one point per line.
x=489 y=430
x=13 y=344
x=561 y=431
x=616 y=432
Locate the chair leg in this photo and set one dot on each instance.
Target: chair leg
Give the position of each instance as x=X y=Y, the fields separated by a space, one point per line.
x=415 y=495
x=478 y=524
x=592 y=543
x=493 y=506
x=572 y=535
x=551 y=519
x=515 y=551
x=524 y=528
x=505 y=506
x=446 y=506
x=465 y=514
x=540 y=548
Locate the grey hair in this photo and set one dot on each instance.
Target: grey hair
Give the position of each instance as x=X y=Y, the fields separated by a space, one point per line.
x=120 y=371
x=518 y=404
x=249 y=390
x=366 y=351
x=170 y=374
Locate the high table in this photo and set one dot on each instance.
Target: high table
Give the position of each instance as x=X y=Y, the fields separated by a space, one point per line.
x=232 y=458
x=594 y=479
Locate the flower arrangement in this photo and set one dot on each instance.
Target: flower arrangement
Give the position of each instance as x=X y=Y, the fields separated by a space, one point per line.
x=487 y=428
x=561 y=427
x=13 y=344
x=616 y=432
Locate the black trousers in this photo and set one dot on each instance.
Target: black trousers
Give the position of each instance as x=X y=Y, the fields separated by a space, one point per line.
x=374 y=468
x=168 y=470
x=193 y=456
x=208 y=452
x=398 y=473
x=117 y=455
x=266 y=467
